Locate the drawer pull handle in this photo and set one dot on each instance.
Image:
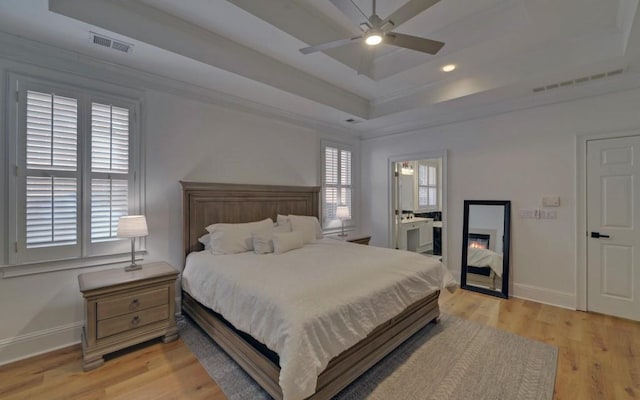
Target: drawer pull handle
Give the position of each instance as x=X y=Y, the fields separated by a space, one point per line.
x=135 y=303
x=135 y=321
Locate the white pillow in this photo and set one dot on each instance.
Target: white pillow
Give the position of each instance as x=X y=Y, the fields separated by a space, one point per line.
x=283 y=242
x=205 y=240
x=308 y=226
x=235 y=238
x=263 y=240
x=282 y=219
x=282 y=228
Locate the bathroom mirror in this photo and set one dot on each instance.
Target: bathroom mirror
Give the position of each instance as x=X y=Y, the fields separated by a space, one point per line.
x=485 y=247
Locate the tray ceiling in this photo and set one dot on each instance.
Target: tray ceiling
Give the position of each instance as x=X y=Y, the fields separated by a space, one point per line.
x=250 y=50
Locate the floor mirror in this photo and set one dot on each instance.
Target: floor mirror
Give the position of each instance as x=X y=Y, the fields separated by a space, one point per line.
x=485 y=247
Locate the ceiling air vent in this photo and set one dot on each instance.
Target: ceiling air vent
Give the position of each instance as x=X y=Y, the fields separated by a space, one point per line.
x=578 y=81
x=105 y=41
x=120 y=46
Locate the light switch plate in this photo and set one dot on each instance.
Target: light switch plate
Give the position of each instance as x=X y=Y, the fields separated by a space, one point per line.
x=530 y=214
x=551 y=201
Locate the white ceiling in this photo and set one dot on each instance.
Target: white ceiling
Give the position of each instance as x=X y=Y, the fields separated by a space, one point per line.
x=249 y=49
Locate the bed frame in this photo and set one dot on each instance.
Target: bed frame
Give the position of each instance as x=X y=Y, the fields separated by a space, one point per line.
x=208 y=203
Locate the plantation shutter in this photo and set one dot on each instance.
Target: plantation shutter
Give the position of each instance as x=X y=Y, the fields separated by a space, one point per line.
x=331 y=183
x=337 y=183
x=427 y=186
x=51 y=202
x=75 y=173
x=345 y=178
x=109 y=169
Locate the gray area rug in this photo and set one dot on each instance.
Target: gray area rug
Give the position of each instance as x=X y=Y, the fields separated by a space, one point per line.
x=453 y=360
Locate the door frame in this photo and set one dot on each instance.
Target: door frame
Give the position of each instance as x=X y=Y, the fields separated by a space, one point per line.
x=390 y=191
x=581 y=209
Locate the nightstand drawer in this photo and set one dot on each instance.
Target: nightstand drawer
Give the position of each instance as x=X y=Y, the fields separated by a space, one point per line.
x=131 y=321
x=131 y=303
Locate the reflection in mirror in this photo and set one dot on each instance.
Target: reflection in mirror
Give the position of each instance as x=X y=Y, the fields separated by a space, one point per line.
x=485 y=250
x=418 y=206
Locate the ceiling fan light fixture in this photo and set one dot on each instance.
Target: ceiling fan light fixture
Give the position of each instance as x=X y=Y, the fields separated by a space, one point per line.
x=449 y=67
x=373 y=38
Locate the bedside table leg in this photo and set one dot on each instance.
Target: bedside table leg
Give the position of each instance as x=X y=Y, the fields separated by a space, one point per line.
x=171 y=335
x=92 y=363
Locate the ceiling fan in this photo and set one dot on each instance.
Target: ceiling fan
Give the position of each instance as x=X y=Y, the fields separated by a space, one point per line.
x=376 y=30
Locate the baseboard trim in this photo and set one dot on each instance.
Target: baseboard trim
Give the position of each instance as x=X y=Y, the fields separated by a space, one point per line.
x=34 y=343
x=545 y=296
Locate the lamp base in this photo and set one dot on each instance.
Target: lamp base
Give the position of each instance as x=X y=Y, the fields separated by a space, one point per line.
x=133 y=267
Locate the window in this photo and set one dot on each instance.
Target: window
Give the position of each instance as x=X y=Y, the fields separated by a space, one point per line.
x=337 y=187
x=427 y=186
x=75 y=172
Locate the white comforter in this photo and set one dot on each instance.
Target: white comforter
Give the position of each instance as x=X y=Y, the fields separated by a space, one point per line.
x=477 y=257
x=310 y=304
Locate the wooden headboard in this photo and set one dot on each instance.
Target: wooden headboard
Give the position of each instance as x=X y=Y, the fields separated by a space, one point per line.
x=204 y=204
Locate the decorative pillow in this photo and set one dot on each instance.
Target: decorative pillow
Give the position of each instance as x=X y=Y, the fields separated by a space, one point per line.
x=308 y=226
x=235 y=238
x=283 y=242
x=263 y=240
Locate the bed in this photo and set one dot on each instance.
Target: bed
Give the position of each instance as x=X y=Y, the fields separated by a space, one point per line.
x=485 y=265
x=206 y=203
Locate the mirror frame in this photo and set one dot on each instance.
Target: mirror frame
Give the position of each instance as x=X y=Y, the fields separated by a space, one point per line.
x=506 y=246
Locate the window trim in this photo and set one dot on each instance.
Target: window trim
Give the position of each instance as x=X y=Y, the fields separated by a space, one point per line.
x=91 y=90
x=350 y=224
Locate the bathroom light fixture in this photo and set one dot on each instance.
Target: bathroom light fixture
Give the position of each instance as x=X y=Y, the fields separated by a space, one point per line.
x=406 y=168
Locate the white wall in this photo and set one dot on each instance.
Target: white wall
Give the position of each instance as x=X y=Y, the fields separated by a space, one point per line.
x=192 y=141
x=186 y=139
x=518 y=156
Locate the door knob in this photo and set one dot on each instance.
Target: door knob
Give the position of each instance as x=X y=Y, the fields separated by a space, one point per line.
x=598 y=235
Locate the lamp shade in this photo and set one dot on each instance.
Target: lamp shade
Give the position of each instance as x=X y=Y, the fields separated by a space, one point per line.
x=342 y=212
x=132 y=226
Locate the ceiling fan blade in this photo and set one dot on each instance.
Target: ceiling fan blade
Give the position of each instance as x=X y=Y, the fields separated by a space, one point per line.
x=352 y=11
x=329 y=45
x=366 y=61
x=408 y=11
x=413 y=42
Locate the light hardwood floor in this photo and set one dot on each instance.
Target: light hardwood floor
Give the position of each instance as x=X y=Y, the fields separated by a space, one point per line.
x=599 y=358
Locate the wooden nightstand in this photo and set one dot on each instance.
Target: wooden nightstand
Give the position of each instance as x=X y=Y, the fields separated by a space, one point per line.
x=353 y=237
x=125 y=308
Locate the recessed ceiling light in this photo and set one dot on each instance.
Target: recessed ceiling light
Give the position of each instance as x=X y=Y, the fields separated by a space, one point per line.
x=449 y=67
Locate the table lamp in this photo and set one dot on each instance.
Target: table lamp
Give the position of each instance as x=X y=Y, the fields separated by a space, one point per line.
x=342 y=213
x=132 y=226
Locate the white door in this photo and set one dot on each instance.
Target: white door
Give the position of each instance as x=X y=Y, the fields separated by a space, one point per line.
x=613 y=223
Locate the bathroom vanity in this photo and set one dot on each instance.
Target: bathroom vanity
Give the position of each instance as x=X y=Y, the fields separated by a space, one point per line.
x=415 y=234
